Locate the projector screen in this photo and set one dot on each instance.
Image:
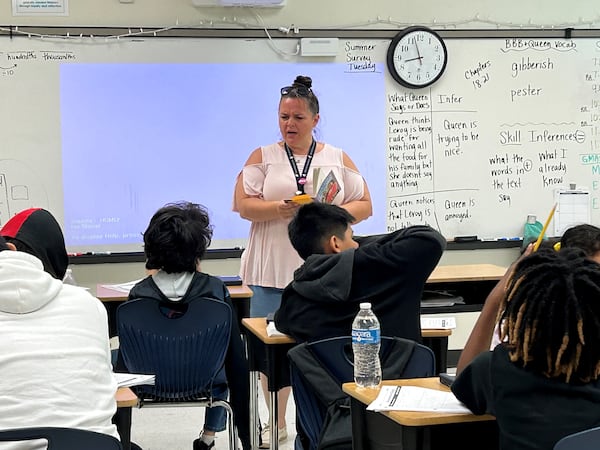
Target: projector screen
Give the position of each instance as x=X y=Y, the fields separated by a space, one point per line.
x=137 y=136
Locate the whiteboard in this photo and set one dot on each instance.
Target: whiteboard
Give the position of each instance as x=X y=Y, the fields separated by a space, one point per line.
x=103 y=133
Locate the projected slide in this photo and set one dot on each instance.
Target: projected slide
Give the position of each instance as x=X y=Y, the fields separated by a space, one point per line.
x=137 y=136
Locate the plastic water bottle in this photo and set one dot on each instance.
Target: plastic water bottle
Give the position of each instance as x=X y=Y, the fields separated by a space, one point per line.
x=69 y=278
x=365 y=345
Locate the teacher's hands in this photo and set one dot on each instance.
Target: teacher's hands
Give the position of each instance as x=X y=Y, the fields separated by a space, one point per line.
x=287 y=210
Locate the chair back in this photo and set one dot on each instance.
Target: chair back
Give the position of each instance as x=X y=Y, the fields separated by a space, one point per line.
x=184 y=348
x=63 y=438
x=333 y=357
x=584 y=440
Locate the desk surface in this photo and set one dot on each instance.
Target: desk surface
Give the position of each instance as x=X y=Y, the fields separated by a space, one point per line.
x=466 y=272
x=414 y=418
x=258 y=327
x=126 y=398
x=106 y=294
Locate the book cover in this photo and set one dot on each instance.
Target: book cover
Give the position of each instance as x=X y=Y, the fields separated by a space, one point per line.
x=329 y=188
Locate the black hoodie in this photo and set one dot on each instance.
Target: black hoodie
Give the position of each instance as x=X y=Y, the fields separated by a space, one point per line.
x=389 y=271
x=36 y=231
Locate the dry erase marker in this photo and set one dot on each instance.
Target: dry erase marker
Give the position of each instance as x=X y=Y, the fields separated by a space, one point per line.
x=98 y=253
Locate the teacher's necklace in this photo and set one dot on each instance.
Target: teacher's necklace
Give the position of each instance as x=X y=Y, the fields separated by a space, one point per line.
x=300 y=177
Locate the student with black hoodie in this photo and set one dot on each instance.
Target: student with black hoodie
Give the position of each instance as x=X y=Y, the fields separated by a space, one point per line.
x=341 y=271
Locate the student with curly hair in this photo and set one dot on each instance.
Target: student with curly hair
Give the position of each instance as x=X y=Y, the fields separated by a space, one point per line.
x=541 y=382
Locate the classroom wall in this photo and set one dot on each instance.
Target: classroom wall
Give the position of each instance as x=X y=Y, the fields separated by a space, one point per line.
x=306 y=14
x=338 y=14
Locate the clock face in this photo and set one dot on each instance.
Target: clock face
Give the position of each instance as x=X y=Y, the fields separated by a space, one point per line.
x=416 y=57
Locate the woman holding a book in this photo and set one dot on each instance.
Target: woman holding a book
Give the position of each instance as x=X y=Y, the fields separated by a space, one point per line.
x=275 y=180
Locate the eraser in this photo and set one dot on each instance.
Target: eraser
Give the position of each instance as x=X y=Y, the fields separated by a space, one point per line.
x=465 y=238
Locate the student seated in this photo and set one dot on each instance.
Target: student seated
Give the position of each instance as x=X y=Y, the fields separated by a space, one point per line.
x=340 y=272
x=584 y=237
x=29 y=231
x=541 y=382
x=54 y=351
x=174 y=243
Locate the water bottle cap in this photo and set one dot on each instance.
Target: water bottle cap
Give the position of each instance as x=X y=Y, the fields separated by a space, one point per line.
x=365 y=305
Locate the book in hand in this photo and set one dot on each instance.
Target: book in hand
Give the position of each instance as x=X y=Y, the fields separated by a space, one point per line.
x=133 y=379
x=330 y=187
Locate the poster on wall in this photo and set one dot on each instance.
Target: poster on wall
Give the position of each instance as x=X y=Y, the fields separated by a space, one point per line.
x=40 y=7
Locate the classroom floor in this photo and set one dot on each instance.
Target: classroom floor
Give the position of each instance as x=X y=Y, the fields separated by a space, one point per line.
x=175 y=427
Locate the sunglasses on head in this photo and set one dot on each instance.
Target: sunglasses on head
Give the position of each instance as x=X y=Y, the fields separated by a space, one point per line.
x=301 y=91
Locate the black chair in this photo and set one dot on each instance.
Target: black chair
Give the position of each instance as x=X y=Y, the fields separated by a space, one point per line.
x=63 y=438
x=318 y=370
x=183 y=345
x=584 y=440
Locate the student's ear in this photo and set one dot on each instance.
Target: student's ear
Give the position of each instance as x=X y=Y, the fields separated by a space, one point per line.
x=11 y=246
x=334 y=244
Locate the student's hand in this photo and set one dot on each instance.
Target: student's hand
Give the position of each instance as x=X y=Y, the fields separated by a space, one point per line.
x=528 y=251
x=287 y=210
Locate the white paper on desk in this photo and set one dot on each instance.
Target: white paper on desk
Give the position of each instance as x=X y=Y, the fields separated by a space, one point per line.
x=122 y=287
x=414 y=398
x=437 y=323
x=133 y=379
x=272 y=331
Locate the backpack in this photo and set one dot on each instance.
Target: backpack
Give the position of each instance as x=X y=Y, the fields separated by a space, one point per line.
x=312 y=373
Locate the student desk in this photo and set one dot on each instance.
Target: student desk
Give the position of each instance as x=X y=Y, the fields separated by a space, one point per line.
x=276 y=348
x=466 y=272
x=111 y=298
x=126 y=399
x=473 y=282
x=411 y=430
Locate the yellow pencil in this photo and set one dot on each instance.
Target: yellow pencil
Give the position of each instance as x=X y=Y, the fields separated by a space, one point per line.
x=541 y=236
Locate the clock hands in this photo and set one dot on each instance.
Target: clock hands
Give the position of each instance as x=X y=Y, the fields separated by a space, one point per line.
x=419 y=57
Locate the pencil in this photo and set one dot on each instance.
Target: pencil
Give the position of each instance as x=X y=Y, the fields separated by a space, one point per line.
x=541 y=236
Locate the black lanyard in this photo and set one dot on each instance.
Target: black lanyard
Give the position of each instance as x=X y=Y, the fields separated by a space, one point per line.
x=301 y=177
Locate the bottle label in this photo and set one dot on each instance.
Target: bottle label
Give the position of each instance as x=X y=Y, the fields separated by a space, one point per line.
x=365 y=336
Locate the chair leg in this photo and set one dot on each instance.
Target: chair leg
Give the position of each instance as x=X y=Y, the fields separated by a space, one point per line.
x=233 y=441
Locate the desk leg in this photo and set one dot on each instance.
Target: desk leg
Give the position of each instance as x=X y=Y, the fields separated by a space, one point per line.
x=273 y=422
x=439 y=346
x=122 y=419
x=254 y=426
x=357 y=413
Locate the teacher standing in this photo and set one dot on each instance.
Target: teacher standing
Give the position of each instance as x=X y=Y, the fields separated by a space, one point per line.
x=298 y=164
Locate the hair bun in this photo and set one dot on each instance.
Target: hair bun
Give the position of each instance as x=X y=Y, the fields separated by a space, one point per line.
x=302 y=80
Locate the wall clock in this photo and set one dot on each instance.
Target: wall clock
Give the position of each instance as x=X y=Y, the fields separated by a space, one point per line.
x=417 y=57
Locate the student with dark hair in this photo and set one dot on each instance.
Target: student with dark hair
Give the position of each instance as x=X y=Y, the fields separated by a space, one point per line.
x=585 y=237
x=174 y=244
x=340 y=272
x=54 y=353
x=541 y=382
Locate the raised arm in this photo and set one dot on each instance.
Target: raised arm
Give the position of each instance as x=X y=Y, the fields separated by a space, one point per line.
x=481 y=336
